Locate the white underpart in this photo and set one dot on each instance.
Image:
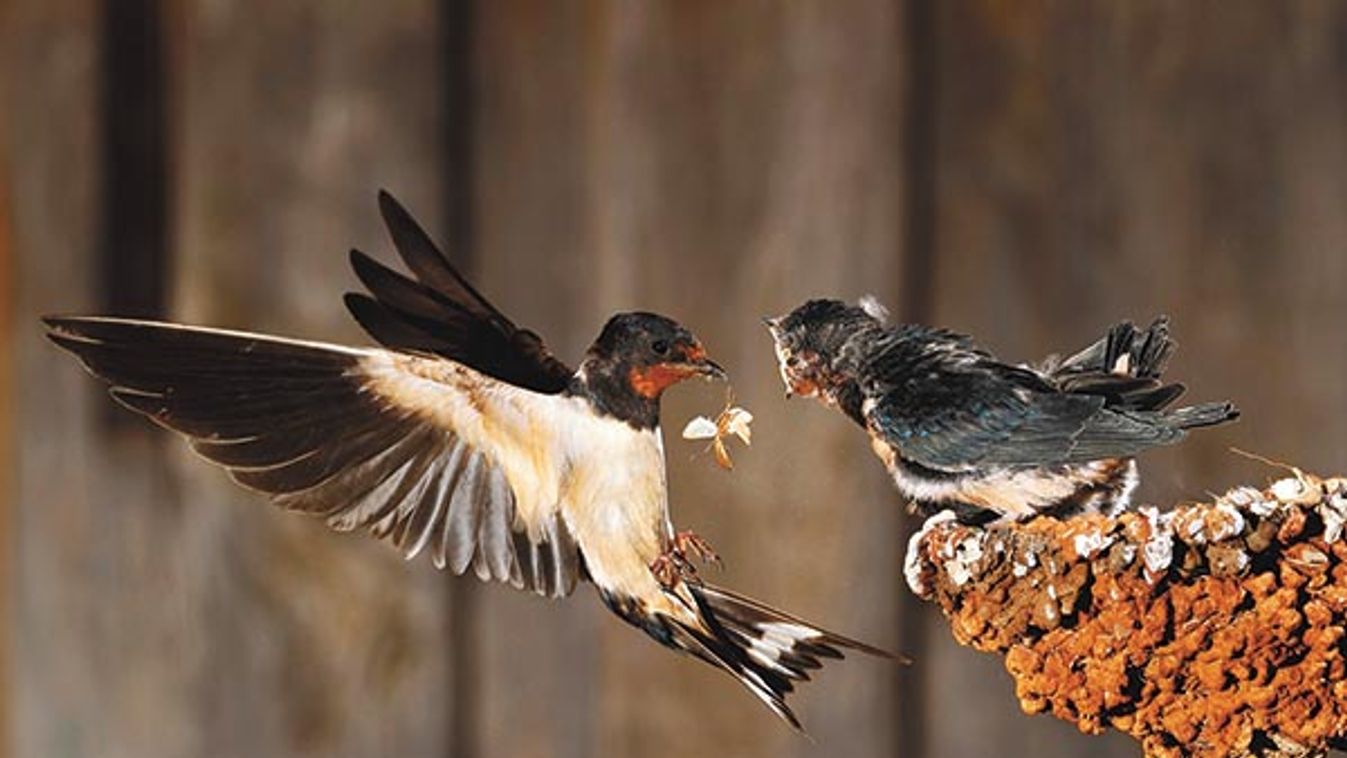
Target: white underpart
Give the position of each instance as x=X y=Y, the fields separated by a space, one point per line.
x=616 y=500
x=1017 y=493
x=604 y=478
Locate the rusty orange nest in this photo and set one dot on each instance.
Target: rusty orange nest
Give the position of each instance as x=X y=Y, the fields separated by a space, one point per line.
x=1215 y=629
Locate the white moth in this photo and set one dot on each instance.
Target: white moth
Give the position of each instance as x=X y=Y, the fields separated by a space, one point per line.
x=732 y=421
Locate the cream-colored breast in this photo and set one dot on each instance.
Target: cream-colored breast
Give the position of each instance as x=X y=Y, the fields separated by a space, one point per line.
x=614 y=498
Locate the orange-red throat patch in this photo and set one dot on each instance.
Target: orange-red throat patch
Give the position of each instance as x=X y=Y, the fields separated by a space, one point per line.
x=649 y=382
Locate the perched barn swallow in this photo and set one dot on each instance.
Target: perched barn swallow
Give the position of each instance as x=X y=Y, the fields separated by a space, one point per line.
x=465 y=438
x=960 y=430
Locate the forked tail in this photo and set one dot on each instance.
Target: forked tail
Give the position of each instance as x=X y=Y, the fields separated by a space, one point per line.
x=767 y=650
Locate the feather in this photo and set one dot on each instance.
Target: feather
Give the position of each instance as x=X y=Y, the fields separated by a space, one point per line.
x=357 y=437
x=441 y=313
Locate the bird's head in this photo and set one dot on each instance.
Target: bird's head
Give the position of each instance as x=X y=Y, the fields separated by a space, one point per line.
x=649 y=353
x=810 y=339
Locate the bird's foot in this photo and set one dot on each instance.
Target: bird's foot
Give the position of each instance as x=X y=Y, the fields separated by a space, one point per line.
x=691 y=544
x=670 y=568
x=675 y=565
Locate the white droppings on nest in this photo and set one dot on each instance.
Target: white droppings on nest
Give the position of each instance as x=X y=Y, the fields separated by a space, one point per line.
x=1242 y=497
x=912 y=561
x=966 y=555
x=1195 y=531
x=1263 y=507
x=1333 y=510
x=1158 y=551
x=1298 y=489
x=1021 y=569
x=1231 y=526
x=1090 y=544
x=1052 y=592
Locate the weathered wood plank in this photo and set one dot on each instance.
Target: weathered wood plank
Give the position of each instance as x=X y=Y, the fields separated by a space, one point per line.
x=718 y=163
x=1097 y=161
x=87 y=681
x=8 y=289
x=287 y=122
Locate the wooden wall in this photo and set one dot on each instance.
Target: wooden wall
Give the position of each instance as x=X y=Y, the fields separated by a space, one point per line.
x=1027 y=172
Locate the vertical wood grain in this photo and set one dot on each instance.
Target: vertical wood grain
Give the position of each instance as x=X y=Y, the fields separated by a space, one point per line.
x=70 y=592
x=288 y=117
x=716 y=163
x=1099 y=161
x=1025 y=172
x=8 y=290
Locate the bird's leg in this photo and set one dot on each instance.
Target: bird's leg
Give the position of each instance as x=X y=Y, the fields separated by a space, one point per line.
x=690 y=544
x=669 y=569
x=674 y=563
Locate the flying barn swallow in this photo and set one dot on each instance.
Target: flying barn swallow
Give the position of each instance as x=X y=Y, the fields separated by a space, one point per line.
x=465 y=438
x=959 y=429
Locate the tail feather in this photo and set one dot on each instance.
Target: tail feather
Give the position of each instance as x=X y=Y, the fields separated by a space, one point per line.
x=1126 y=351
x=765 y=649
x=1124 y=367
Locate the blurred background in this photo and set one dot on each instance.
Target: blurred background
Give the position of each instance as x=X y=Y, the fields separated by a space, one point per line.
x=1026 y=172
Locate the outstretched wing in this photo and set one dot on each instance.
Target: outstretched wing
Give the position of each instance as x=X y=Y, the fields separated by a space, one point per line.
x=424 y=453
x=956 y=410
x=440 y=312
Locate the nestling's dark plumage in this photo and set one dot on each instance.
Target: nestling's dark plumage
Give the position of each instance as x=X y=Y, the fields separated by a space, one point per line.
x=468 y=440
x=959 y=429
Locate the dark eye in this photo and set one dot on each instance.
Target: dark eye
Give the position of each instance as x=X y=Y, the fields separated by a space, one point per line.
x=660 y=347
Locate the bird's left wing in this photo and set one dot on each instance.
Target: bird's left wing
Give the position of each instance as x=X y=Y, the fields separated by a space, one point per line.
x=422 y=452
x=954 y=410
x=440 y=312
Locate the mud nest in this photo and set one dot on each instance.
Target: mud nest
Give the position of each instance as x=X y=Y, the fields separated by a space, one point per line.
x=1214 y=629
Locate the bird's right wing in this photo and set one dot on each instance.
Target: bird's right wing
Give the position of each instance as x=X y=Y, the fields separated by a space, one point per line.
x=440 y=312
x=422 y=452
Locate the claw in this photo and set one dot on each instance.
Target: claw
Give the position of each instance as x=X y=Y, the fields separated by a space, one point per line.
x=687 y=544
x=673 y=565
x=670 y=568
